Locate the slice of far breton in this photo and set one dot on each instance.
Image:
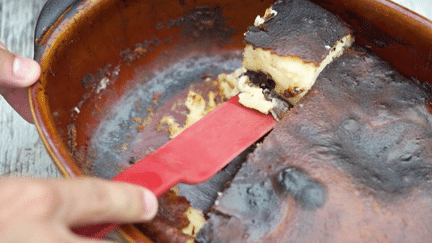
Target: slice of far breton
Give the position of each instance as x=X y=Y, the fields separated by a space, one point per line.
x=293 y=43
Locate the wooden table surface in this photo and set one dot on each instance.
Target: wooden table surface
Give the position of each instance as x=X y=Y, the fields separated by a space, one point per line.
x=22 y=152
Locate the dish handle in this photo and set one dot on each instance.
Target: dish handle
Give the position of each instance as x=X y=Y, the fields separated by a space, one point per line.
x=51 y=12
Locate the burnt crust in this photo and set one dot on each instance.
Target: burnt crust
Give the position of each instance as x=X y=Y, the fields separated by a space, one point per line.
x=168 y=223
x=307 y=192
x=300 y=28
x=363 y=134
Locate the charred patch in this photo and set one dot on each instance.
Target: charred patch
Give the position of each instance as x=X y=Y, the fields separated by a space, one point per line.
x=140 y=50
x=246 y=210
x=282 y=107
x=206 y=23
x=263 y=27
x=218 y=223
x=287 y=27
x=309 y=193
x=89 y=81
x=170 y=218
x=261 y=79
x=246 y=198
x=132 y=160
x=389 y=160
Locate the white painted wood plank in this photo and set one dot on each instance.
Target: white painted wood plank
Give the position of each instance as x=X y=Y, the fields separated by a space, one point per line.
x=22 y=152
x=422 y=7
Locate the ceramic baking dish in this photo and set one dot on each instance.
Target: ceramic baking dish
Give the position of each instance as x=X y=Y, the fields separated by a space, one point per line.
x=104 y=62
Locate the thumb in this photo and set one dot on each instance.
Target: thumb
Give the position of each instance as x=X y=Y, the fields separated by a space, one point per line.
x=17 y=71
x=91 y=201
x=45 y=210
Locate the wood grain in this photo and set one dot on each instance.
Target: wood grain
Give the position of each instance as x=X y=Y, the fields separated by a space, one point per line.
x=22 y=152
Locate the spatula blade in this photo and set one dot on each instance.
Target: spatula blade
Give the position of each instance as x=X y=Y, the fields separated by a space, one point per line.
x=196 y=154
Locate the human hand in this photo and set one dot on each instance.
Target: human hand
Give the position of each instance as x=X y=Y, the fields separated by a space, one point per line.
x=16 y=74
x=44 y=210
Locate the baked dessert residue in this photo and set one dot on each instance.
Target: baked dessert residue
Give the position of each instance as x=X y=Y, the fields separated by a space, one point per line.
x=350 y=163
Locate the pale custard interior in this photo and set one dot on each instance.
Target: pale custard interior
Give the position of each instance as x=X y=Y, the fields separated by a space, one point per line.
x=291 y=73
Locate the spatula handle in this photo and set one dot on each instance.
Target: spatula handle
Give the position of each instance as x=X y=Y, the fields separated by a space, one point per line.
x=149 y=173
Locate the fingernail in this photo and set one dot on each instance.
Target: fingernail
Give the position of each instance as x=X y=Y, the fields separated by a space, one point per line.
x=150 y=205
x=26 y=70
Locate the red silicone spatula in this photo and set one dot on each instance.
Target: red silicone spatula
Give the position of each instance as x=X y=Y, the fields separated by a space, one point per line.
x=196 y=154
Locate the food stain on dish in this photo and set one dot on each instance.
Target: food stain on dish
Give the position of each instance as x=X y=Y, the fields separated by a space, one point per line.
x=197 y=107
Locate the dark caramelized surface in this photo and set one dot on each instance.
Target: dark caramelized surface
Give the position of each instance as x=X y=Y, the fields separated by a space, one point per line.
x=300 y=28
x=351 y=163
x=167 y=226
